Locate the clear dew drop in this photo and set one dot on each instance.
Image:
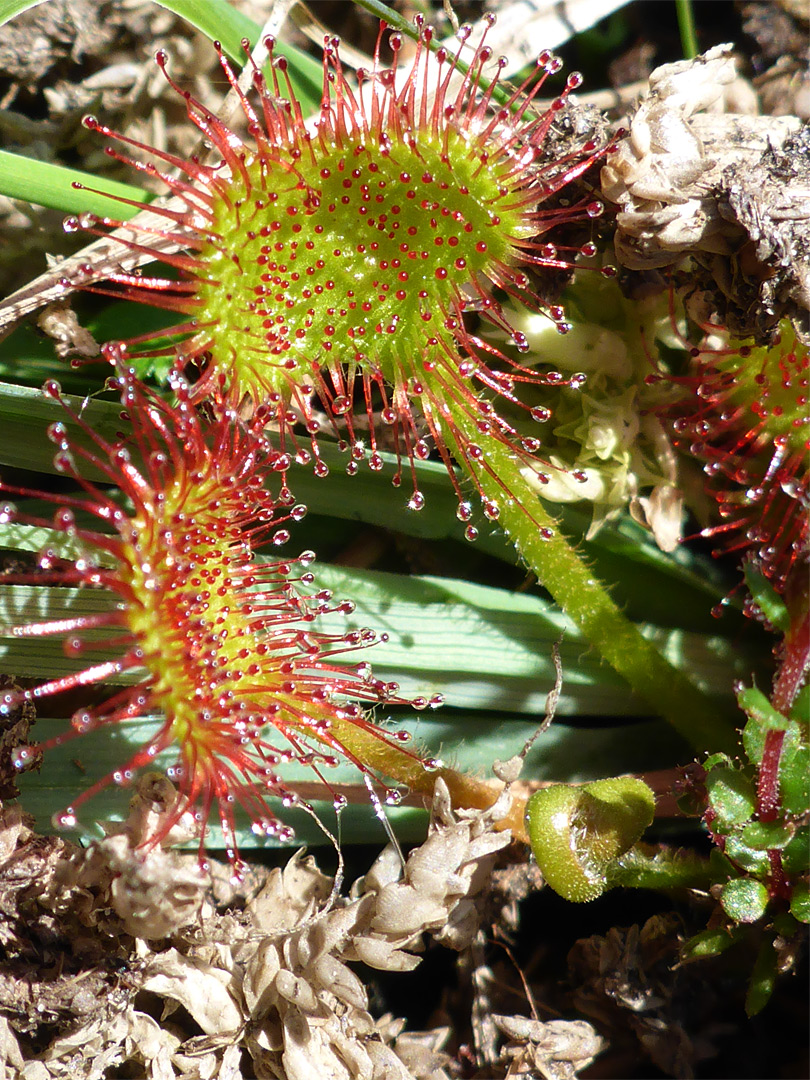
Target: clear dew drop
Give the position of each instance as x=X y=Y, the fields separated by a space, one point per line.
x=21 y=757
x=65 y=819
x=298 y=512
x=375 y=462
x=340 y=802
x=464 y=511
x=8 y=512
x=432 y=764
x=491 y=509
x=471 y=533
x=341 y=405
x=416 y=501
x=540 y=414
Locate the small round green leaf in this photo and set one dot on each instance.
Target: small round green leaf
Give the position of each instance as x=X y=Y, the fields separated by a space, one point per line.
x=731 y=794
x=709 y=943
x=794 y=781
x=800 y=711
x=800 y=903
x=755 y=862
x=744 y=899
x=796 y=856
x=767 y=835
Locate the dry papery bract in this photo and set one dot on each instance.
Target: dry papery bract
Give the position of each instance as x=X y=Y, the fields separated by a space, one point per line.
x=265 y=991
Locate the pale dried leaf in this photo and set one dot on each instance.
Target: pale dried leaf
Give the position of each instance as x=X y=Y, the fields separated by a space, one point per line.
x=200 y=988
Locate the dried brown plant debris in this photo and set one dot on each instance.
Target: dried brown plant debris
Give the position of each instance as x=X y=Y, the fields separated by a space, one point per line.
x=728 y=189
x=116 y=956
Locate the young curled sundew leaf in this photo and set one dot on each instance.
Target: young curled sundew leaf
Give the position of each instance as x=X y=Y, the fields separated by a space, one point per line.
x=576 y=833
x=331 y=262
x=228 y=648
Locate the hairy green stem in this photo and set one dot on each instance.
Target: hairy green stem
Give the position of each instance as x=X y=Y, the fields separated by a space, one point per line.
x=645 y=867
x=403 y=766
x=560 y=569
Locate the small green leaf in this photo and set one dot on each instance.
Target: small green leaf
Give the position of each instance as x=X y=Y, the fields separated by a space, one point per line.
x=800 y=712
x=744 y=899
x=800 y=903
x=755 y=862
x=796 y=856
x=767 y=598
x=785 y=925
x=710 y=943
x=794 y=781
x=766 y=835
x=731 y=794
x=755 y=705
x=763 y=979
x=715 y=761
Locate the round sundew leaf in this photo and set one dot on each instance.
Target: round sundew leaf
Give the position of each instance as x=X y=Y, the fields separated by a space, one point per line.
x=766 y=835
x=744 y=899
x=800 y=903
x=794 y=782
x=731 y=795
x=796 y=855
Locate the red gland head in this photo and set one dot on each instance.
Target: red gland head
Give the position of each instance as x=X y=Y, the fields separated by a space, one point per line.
x=333 y=260
x=224 y=646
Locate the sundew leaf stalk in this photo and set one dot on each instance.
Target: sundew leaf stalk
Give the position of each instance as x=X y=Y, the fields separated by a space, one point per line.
x=332 y=271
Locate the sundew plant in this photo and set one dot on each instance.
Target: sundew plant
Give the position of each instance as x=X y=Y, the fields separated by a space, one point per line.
x=319 y=336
